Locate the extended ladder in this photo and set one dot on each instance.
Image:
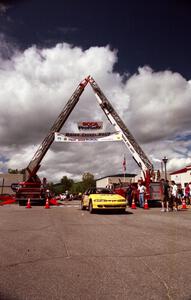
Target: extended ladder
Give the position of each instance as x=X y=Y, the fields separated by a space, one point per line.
x=134 y=148
x=34 y=164
x=136 y=151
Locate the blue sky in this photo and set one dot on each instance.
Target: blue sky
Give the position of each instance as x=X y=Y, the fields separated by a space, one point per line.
x=138 y=52
x=154 y=33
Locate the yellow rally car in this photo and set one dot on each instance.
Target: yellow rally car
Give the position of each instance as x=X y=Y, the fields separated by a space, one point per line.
x=102 y=198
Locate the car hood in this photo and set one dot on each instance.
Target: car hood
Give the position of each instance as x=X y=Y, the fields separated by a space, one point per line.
x=106 y=196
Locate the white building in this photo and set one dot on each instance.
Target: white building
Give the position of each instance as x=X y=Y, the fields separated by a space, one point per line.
x=114 y=179
x=182 y=176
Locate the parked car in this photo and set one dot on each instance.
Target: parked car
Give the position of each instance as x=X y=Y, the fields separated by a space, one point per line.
x=101 y=199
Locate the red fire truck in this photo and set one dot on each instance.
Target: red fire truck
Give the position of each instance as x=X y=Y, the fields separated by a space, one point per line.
x=33 y=188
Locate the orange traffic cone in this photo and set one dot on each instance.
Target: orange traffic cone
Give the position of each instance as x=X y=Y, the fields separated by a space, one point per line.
x=146 y=206
x=47 y=204
x=184 y=204
x=133 y=206
x=29 y=203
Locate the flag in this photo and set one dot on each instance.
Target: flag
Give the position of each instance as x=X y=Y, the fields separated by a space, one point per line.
x=124 y=164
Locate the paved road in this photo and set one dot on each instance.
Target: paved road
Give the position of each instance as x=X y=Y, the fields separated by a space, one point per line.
x=66 y=253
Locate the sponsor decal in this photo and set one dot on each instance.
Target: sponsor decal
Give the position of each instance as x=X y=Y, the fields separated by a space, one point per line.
x=90 y=125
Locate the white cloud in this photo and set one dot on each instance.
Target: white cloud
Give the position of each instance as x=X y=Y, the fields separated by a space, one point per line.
x=3 y=8
x=156 y=106
x=160 y=104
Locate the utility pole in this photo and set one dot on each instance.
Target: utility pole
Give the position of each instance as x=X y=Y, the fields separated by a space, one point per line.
x=165 y=160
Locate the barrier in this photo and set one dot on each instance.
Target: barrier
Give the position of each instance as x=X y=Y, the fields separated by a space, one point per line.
x=47 y=204
x=133 y=206
x=29 y=203
x=146 y=206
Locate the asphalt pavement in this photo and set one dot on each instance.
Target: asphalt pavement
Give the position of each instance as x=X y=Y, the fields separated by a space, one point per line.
x=66 y=253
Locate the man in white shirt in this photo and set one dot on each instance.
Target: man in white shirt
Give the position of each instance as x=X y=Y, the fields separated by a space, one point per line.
x=174 y=196
x=142 y=190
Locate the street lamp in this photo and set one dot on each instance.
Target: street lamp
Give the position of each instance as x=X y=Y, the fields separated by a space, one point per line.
x=165 y=159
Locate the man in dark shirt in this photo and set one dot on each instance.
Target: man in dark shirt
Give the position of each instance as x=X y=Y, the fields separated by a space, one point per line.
x=165 y=189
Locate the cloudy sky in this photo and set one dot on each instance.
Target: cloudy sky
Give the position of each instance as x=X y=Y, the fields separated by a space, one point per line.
x=140 y=56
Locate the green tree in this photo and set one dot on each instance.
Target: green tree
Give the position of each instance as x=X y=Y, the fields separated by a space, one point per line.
x=58 y=188
x=88 y=181
x=77 y=187
x=66 y=183
x=16 y=171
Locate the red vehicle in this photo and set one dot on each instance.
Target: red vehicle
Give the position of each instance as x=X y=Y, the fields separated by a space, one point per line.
x=4 y=197
x=7 y=199
x=32 y=187
x=120 y=191
x=33 y=190
x=153 y=192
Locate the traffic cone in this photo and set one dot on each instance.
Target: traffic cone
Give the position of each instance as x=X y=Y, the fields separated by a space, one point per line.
x=146 y=206
x=184 y=204
x=133 y=206
x=47 y=204
x=29 y=203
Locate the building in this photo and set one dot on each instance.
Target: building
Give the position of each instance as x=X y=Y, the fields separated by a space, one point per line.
x=182 y=176
x=6 y=180
x=111 y=180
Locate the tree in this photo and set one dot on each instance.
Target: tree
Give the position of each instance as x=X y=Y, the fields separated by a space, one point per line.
x=77 y=187
x=66 y=183
x=88 y=181
x=16 y=171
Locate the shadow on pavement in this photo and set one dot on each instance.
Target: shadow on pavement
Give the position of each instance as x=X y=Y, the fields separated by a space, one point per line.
x=112 y=212
x=7 y=297
x=154 y=204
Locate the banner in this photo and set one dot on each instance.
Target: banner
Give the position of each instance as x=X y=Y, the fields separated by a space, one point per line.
x=91 y=137
x=90 y=125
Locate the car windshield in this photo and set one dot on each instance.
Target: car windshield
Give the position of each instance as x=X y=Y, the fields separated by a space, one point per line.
x=102 y=191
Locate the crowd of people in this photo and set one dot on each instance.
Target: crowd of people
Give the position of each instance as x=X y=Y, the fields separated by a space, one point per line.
x=172 y=195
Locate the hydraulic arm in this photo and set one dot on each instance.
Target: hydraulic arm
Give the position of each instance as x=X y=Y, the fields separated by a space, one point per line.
x=136 y=151
x=34 y=165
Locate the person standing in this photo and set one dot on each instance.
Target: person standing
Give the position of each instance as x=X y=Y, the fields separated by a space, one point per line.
x=174 y=196
x=142 y=190
x=129 y=195
x=165 y=195
x=179 y=194
x=187 y=194
x=190 y=192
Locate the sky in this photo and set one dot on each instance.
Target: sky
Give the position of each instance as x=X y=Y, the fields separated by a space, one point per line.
x=139 y=53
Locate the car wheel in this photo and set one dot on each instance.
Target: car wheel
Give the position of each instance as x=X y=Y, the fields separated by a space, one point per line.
x=91 y=210
x=82 y=207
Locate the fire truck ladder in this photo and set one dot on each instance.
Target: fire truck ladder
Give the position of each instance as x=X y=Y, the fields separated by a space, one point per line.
x=34 y=165
x=134 y=148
